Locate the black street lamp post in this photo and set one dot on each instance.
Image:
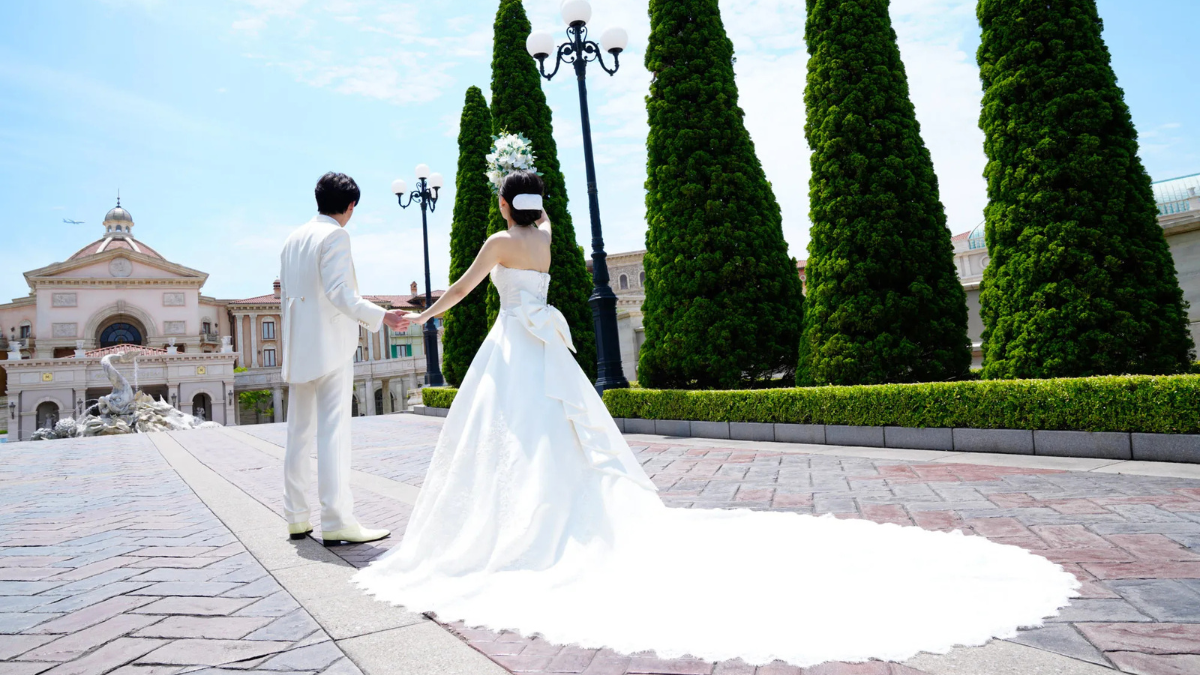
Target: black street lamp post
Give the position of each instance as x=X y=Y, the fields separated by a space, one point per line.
x=426 y=195
x=578 y=51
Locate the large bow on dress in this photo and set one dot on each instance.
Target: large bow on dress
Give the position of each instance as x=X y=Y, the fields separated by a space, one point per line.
x=581 y=403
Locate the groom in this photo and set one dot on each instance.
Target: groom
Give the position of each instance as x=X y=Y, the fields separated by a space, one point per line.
x=322 y=312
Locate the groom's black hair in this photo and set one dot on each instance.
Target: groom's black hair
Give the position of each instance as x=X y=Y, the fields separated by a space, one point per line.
x=522 y=183
x=335 y=193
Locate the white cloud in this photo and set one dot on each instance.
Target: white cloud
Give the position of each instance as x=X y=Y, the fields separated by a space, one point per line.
x=944 y=86
x=395 y=78
x=771 y=70
x=400 y=53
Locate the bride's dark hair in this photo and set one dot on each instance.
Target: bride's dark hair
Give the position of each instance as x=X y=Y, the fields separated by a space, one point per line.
x=522 y=183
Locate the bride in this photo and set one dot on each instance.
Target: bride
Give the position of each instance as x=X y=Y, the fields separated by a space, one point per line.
x=537 y=517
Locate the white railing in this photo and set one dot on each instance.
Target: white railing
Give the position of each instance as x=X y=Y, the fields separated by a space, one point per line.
x=1171 y=208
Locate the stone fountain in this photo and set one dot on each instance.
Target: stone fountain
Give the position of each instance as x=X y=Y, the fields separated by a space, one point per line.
x=124 y=411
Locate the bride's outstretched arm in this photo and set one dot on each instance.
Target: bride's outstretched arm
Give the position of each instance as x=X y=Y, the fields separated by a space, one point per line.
x=488 y=258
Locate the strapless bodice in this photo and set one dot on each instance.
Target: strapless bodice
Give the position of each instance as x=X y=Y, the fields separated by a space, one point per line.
x=517 y=286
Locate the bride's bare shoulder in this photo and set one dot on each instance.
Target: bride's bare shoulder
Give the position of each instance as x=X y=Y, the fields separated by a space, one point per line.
x=502 y=239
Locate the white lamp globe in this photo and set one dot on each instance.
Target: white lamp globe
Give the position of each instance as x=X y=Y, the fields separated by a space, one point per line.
x=422 y=171
x=436 y=181
x=539 y=44
x=576 y=11
x=399 y=187
x=614 y=40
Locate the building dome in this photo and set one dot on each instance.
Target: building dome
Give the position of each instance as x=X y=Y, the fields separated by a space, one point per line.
x=977 y=240
x=118 y=214
x=118 y=222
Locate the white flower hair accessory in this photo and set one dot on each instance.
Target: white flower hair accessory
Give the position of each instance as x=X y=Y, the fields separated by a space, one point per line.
x=510 y=152
x=527 y=202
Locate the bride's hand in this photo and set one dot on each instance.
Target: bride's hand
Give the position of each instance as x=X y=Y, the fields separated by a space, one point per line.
x=414 y=317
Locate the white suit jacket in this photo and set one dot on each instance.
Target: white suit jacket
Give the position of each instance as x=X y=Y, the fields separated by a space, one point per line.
x=322 y=309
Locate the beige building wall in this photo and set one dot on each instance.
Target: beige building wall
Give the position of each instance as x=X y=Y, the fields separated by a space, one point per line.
x=1183 y=236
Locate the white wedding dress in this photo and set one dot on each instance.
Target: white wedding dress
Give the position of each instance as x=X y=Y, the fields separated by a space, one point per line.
x=536 y=517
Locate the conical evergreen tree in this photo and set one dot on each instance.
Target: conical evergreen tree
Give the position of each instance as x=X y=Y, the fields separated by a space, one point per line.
x=466 y=322
x=1081 y=281
x=723 y=299
x=519 y=106
x=884 y=302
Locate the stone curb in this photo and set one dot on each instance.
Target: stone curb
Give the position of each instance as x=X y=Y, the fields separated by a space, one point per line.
x=379 y=638
x=1115 y=445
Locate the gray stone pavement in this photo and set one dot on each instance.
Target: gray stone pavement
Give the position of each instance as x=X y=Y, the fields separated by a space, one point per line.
x=110 y=563
x=1134 y=541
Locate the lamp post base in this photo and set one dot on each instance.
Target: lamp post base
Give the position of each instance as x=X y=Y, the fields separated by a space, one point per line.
x=433 y=369
x=610 y=373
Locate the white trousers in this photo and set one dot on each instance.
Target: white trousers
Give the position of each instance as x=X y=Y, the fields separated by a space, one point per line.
x=319 y=414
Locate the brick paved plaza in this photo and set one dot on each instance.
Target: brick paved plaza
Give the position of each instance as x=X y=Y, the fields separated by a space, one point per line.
x=157 y=554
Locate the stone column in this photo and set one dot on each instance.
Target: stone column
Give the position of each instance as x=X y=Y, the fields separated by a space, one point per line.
x=241 y=337
x=370 y=346
x=277 y=403
x=253 y=340
x=370 y=397
x=385 y=341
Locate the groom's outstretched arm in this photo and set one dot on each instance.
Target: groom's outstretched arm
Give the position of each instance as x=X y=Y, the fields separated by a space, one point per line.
x=337 y=274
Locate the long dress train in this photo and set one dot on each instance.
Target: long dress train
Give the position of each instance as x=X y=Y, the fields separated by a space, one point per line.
x=535 y=516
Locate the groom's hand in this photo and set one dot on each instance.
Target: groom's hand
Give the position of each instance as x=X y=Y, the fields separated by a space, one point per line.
x=394 y=320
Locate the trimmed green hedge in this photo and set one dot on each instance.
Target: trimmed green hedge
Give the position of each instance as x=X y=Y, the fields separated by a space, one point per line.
x=1142 y=403
x=438 y=397
x=1169 y=404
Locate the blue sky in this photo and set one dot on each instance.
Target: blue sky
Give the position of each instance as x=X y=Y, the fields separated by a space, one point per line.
x=214 y=118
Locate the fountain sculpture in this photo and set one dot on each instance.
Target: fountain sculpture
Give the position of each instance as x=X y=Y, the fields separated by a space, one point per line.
x=126 y=410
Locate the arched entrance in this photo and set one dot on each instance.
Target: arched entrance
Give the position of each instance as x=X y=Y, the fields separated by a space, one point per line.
x=122 y=331
x=47 y=415
x=202 y=407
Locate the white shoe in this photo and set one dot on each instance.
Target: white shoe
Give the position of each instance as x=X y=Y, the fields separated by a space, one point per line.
x=355 y=534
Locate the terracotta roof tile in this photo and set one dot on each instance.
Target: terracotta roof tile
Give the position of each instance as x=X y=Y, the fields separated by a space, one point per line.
x=267 y=299
x=393 y=300
x=116 y=244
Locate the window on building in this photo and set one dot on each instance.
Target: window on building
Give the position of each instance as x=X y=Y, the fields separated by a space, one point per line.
x=642 y=278
x=208 y=327
x=268 y=330
x=624 y=282
x=358 y=356
x=26 y=329
x=401 y=351
x=269 y=358
x=120 y=334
